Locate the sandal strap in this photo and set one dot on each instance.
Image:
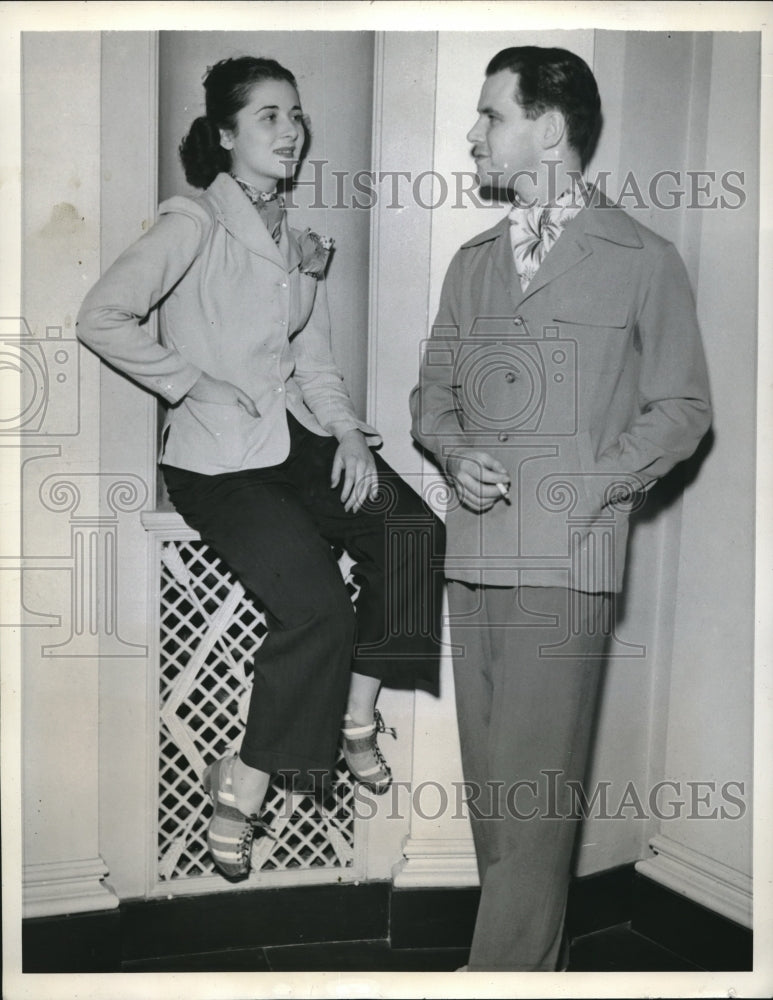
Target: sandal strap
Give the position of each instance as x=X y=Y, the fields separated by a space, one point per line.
x=380 y=727
x=358 y=732
x=352 y=732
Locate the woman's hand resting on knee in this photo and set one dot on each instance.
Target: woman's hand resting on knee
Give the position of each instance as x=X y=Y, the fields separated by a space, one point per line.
x=355 y=460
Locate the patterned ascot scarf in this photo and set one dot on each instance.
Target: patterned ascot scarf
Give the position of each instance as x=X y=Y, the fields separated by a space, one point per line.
x=270 y=206
x=534 y=231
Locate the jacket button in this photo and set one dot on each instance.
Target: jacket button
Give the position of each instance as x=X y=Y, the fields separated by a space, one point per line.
x=510 y=376
x=518 y=320
x=503 y=437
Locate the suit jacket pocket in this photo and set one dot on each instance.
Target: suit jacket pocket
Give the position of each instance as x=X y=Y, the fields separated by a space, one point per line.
x=607 y=309
x=565 y=484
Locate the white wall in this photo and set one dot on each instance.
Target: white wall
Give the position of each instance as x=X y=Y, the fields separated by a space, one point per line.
x=710 y=736
x=652 y=86
x=710 y=708
x=60 y=695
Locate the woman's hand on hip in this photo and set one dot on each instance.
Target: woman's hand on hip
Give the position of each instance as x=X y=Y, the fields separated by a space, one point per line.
x=212 y=390
x=355 y=460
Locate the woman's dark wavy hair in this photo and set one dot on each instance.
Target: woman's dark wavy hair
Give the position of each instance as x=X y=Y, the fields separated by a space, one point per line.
x=555 y=79
x=227 y=87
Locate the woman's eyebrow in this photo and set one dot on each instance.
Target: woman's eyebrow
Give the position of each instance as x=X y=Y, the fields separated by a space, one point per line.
x=275 y=107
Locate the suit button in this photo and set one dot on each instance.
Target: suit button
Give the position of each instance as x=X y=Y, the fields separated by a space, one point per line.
x=518 y=320
x=503 y=437
x=510 y=376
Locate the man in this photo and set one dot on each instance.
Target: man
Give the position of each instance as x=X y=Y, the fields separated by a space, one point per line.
x=564 y=376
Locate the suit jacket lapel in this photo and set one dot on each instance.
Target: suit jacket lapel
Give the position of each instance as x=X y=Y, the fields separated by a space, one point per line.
x=242 y=221
x=288 y=244
x=505 y=265
x=571 y=247
x=604 y=221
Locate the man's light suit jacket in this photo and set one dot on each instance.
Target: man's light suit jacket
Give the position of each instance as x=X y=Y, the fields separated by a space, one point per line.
x=588 y=387
x=235 y=305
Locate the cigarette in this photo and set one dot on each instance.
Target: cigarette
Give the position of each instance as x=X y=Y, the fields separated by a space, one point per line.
x=504 y=491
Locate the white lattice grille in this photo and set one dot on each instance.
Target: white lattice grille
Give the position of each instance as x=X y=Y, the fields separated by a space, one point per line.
x=209 y=633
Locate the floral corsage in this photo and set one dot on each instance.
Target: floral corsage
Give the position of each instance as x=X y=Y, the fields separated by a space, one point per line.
x=315 y=251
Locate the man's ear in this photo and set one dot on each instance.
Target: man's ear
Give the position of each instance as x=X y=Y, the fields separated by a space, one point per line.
x=553 y=128
x=226 y=138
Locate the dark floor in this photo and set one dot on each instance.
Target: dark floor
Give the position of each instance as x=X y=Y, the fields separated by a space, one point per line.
x=615 y=949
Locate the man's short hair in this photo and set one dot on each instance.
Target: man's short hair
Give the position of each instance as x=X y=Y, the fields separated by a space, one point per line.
x=555 y=79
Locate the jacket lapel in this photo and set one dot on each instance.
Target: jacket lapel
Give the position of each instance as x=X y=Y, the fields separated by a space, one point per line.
x=570 y=249
x=242 y=221
x=501 y=257
x=603 y=221
x=504 y=264
x=288 y=244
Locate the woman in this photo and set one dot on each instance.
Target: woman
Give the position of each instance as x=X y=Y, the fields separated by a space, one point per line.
x=263 y=454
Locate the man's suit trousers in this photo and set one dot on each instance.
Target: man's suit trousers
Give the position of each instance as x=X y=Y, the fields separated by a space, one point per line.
x=526 y=675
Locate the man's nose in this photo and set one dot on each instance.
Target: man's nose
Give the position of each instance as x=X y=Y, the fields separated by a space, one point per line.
x=476 y=133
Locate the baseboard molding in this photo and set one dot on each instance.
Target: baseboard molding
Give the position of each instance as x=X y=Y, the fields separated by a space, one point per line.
x=66 y=887
x=253 y=918
x=689 y=929
x=699 y=877
x=436 y=863
x=601 y=900
x=141 y=931
x=191 y=931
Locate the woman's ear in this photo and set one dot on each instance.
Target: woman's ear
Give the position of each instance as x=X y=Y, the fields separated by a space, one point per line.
x=553 y=129
x=226 y=138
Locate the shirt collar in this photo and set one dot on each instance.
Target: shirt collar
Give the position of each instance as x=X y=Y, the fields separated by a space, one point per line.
x=600 y=218
x=577 y=196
